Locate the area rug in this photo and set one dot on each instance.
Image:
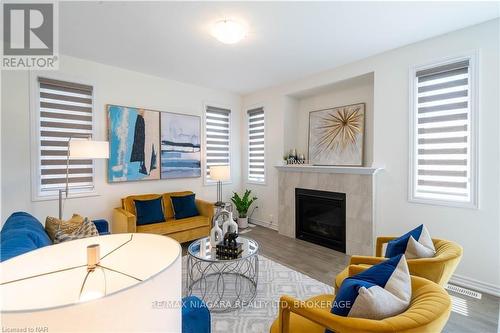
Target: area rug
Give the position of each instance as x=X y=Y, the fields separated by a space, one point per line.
x=274 y=280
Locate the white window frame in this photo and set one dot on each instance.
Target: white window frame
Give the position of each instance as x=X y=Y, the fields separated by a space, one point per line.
x=247 y=129
x=473 y=141
x=35 y=157
x=206 y=181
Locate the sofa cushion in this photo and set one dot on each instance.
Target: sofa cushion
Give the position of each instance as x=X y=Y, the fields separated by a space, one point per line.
x=149 y=211
x=53 y=225
x=184 y=206
x=173 y=226
x=416 y=243
x=86 y=229
x=21 y=233
x=383 y=290
x=102 y=226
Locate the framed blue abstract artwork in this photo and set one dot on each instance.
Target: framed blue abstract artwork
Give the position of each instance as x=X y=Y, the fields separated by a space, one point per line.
x=180 y=146
x=134 y=144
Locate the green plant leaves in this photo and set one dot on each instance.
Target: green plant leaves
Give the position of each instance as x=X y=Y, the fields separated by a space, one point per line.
x=242 y=204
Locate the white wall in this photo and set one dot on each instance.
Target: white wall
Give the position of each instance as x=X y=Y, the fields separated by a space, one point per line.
x=112 y=86
x=476 y=230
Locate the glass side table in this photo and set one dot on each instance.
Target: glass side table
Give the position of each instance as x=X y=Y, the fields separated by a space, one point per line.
x=224 y=285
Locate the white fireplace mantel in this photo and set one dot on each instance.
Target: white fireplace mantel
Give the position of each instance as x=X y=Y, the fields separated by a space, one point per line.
x=328 y=169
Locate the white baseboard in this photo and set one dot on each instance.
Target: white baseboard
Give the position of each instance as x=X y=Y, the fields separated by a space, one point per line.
x=474 y=284
x=263 y=224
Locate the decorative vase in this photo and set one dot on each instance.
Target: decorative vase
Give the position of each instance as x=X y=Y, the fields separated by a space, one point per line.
x=229 y=225
x=216 y=235
x=243 y=222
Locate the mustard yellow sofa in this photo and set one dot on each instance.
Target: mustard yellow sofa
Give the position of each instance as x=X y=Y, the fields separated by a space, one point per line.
x=438 y=269
x=428 y=312
x=182 y=230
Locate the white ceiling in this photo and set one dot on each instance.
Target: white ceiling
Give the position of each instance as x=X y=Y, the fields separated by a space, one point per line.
x=287 y=40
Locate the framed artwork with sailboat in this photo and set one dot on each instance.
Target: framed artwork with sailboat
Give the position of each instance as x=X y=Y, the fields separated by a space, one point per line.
x=134 y=144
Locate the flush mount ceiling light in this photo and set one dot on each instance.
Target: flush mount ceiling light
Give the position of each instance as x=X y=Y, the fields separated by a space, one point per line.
x=229 y=31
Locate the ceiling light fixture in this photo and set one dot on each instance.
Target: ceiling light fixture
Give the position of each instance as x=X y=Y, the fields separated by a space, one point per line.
x=228 y=31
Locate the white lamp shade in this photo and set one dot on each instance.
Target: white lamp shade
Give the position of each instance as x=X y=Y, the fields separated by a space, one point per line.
x=88 y=149
x=220 y=172
x=54 y=301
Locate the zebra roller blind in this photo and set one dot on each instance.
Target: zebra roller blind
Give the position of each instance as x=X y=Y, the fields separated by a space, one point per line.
x=217 y=135
x=65 y=110
x=256 y=145
x=442 y=167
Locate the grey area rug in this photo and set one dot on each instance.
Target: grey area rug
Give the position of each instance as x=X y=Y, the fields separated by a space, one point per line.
x=274 y=280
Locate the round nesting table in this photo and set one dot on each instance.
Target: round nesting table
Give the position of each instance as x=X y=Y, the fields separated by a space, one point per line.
x=224 y=285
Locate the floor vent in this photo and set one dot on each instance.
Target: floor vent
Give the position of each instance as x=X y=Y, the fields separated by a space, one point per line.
x=464 y=291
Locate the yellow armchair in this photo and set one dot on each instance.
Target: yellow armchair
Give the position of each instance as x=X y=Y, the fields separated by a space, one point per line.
x=429 y=311
x=438 y=269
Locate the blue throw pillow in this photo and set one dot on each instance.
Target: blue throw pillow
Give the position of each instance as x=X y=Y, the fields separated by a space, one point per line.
x=415 y=244
x=184 y=206
x=382 y=291
x=149 y=211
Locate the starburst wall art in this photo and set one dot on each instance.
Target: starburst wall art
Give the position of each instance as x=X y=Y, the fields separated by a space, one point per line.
x=336 y=135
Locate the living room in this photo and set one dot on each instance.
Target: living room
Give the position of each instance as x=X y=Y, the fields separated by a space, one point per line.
x=206 y=166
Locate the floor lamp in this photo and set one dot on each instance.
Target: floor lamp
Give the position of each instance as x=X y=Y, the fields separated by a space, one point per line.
x=79 y=149
x=220 y=173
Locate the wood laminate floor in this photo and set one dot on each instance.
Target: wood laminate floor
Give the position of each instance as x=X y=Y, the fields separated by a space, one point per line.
x=323 y=264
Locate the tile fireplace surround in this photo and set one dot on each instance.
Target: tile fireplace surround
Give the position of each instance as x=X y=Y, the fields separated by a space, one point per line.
x=358 y=183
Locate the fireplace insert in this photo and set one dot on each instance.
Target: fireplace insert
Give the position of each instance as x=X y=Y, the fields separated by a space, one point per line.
x=320 y=218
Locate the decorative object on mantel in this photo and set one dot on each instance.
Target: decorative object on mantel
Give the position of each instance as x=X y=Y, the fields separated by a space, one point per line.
x=336 y=135
x=134 y=143
x=180 y=146
x=294 y=158
x=242 y=205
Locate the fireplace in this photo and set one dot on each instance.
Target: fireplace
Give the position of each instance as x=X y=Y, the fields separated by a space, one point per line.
x=320 y=218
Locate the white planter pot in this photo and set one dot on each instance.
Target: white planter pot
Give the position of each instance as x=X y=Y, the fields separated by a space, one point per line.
x=243 y=222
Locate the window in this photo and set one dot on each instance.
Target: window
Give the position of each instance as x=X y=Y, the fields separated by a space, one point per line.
x=217 y=138
x=64 y=111
x=443 y=169
x=256 y=147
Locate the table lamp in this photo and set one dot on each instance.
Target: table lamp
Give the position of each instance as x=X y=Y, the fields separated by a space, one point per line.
x=79 y=149
x=220 y=173
x=113 y=283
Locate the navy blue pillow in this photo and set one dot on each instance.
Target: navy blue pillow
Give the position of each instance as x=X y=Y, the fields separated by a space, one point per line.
x=184 y=206
x=416 y=243
x=149 y=211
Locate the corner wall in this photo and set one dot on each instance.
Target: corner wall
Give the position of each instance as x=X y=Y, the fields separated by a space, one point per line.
x=112 y=85
x=477 y=230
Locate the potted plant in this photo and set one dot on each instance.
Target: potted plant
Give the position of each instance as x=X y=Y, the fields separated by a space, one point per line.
x=242 y=205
